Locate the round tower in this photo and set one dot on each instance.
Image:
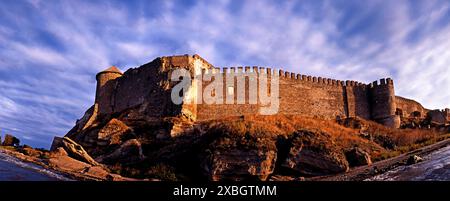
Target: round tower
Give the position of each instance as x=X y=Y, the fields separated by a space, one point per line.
x=382 y=101
x=106 y=81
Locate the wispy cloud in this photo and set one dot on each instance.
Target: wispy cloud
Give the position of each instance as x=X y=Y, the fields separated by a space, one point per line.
x=50 y=51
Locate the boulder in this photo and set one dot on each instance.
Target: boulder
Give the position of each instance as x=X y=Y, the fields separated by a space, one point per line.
x=57 y=142
x=112 y=133
x=239 y=164
x=26 y=146
x=351 y=122
x=58 y=152
x=437 y=116
x=10 y=140
x=77 y=151
x=358 y=157
x=414 y=159
x=129 y=152
x=96 y=171
x=31 y=152
x=67 y=163
x=234 y=155
x=314 y=153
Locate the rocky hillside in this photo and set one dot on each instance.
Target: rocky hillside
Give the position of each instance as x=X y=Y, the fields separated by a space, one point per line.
x=239 y=148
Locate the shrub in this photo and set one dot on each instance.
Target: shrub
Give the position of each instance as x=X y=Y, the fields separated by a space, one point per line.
x=163 y=172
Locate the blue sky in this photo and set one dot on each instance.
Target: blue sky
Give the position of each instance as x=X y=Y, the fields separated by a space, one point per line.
x=51 y=50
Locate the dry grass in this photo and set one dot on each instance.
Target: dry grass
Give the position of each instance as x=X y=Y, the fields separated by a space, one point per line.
x=384 y=143
x=399 y=141
x=400 y=137
x=285 y=125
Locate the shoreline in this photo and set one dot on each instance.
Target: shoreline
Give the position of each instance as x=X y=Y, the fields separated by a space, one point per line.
x=15 y=164
x=365 y=172
x=68 y=167
x=29 y=159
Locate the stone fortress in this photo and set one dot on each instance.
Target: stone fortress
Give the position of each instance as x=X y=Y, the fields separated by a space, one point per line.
x=148 y=88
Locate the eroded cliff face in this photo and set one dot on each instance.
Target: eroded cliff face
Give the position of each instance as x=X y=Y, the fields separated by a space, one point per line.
x=135 y=145
x=315 y=153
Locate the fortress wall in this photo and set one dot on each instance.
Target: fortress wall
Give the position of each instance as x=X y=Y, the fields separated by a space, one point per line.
x=140 y=84
x=213 y=111
x=406 y=107
x=299 y=95
x=149 y=87
x=312 y=96
x=196 y=65
x=150 y=84
x=357 y=99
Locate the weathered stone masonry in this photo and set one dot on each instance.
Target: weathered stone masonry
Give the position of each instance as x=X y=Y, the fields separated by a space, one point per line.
x=303 y=95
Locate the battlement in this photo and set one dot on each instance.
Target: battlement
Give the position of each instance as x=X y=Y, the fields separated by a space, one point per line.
x=383 y=82
x=285 y=75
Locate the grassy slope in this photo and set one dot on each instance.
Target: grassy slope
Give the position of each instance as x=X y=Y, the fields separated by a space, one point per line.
x=383 y=142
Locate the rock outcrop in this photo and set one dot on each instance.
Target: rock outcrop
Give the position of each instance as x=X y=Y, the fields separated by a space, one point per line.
x=77 y=151
x=236 y=165
x=10 y=140
x=414 y=159
x=128 y=153
x=112 y=133
x=31 y=152
x=314 y=153
x=437 y=116
x=57 y=142
x=358 y=157
x=234 y=155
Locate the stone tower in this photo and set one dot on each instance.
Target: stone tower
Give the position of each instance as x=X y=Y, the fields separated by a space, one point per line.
x=382 y=103
x=106 y=82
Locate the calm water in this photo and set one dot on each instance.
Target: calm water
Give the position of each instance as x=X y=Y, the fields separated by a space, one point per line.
x=12 y=169
x=435 y=167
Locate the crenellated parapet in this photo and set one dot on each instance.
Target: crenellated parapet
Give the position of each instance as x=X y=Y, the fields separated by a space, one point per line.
x=285 y=75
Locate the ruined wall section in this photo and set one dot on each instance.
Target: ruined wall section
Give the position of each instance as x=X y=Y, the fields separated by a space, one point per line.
x=196 y=65
x=408 y=108
x=149 y=87
x=140 y=84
